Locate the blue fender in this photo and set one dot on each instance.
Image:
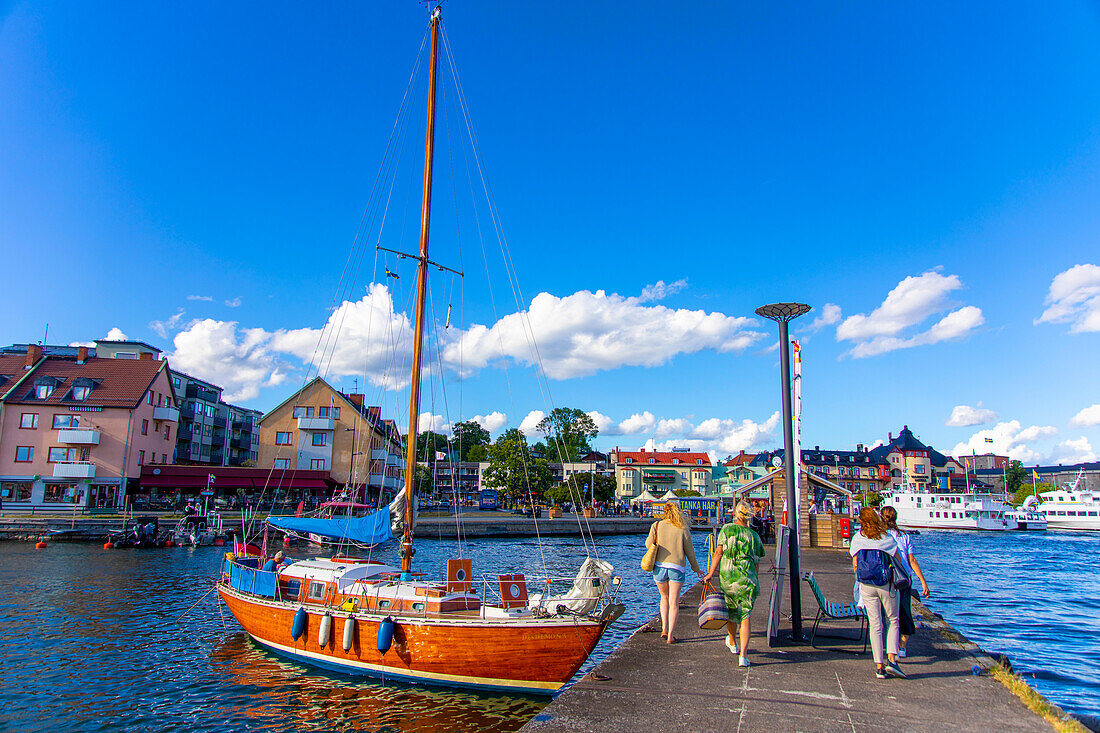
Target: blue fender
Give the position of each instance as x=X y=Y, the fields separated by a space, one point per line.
x=385 y=635
x=298 y=626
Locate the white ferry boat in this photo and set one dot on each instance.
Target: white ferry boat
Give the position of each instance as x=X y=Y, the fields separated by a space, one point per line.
x=1071 y=507
x=921 y=508
x=1026 y=519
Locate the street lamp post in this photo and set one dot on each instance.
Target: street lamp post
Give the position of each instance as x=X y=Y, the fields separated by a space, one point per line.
x=784 y=313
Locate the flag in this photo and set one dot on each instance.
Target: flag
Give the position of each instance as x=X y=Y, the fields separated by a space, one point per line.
x=989 y=440
x=966 y=461
x=1034 y=474
x=210 y=478
x=301 y=506
x=394 y=275
x=440 y=456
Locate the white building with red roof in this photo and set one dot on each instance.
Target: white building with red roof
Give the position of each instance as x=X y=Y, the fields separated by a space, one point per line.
x=660 y=471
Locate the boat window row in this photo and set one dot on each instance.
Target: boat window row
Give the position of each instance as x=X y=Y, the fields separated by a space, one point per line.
x=1070 y=513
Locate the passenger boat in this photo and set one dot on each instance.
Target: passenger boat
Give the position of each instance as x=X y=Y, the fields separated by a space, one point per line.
x=921 y=508
x=1025 y=519
x=447 y=628
x=1073 y=506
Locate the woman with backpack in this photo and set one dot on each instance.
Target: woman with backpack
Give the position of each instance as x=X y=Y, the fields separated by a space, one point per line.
x=672 y=538
x=909 y=560
x=873 y=551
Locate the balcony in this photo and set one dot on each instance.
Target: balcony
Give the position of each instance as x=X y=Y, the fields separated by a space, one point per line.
x=184 y=433
x=219 y=421
x=75 y=436
x=316 y=423
x=171 y=414
x=74 y=469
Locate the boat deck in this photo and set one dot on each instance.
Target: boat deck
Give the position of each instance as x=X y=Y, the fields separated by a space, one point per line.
x=696 y=685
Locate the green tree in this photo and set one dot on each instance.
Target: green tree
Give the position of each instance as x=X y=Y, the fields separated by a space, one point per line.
x=869 y=498
x=428 y=444
x=467 y=436
x=573 y=489
x=422 y=478
x=1015 y=476
x=686 y=492
x=513 y=472
x=478 y=453
x=1027 y=490
x=571 y=429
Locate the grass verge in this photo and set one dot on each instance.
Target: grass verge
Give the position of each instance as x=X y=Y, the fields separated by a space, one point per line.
x=1058 y=718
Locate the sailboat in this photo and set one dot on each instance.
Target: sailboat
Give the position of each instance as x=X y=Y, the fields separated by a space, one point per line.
x=362 y=616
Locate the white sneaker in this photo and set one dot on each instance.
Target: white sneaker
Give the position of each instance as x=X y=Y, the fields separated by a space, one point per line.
x=743 y=662
x=731 y=647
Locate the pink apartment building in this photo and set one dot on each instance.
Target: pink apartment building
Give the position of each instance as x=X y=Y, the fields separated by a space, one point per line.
x=75 y=430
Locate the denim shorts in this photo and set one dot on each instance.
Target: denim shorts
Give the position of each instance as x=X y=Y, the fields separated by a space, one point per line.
x=664 y=575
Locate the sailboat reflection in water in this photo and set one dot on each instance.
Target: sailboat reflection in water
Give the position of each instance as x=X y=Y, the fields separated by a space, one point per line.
x=362 y=616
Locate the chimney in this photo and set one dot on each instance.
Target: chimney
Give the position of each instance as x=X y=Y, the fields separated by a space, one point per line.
x=375 y=411
x=34 y=353
x=81 y=354
x=356 y=399
x=889 y=437
x=145 y=356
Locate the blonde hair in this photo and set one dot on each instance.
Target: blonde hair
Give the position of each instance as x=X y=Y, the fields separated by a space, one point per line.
x=743 y=510
x=674 y=515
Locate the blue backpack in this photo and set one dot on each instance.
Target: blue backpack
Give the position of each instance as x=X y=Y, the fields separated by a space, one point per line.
x=873 y=567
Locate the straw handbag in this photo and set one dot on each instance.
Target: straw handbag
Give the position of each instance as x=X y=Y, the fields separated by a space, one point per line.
x=712 y=608
x=649 y=559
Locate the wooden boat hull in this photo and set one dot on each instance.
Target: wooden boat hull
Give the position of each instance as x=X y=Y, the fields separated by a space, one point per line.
x=535 y=656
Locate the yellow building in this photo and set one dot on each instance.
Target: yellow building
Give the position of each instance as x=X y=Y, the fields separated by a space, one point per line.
x=659 y=472
x=321 y=428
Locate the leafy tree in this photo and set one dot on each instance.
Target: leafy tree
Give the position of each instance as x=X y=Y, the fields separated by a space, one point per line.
x=869 y=498
x=428 y=444
x=422 y=479
x=1015 y=475
x=572 y=429
x=512 y=471
x=477 y=453
x=467 y=436
x=1027 y=490
x=686 y=492
x=573 y=489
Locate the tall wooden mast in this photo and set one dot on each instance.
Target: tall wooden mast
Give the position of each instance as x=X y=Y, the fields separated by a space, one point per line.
x=421 y=287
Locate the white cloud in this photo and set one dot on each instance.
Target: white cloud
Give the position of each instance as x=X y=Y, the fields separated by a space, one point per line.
x=238 y=360
x=172 y=323
x=529 y=426
x=89 y=344
x=364 y=337
x=208 y=298
x=1087 y=417
x=637 y=423
x=659 y=290
x=965 y=416
x=909 y=304
x=234 y=302
x=492 y=422
x=583 y=333
x=1073 y=451
x=673 y=426
x=426 y=421
x=1074 y=297
x=830 y=314
x=604 y=424
x=115 y=334
x=1008 y=439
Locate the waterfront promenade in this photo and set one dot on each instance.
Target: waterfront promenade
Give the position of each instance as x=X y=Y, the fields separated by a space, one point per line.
x=696 y=685
x=474 y=524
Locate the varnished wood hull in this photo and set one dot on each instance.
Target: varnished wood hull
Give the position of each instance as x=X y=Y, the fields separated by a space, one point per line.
x=529 y=656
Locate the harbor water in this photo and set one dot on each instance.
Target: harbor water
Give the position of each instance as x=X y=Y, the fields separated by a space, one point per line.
x=126 y=640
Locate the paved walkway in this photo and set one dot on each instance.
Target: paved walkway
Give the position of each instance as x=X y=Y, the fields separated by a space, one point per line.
x=696 y=685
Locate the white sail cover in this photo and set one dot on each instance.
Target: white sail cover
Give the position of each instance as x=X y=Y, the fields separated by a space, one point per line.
x=397 y=514
x=591 y=582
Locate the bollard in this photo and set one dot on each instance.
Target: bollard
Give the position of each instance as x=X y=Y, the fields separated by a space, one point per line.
x=976 y=669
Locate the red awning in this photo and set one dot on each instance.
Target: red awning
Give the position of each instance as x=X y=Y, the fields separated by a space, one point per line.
x=173 y=482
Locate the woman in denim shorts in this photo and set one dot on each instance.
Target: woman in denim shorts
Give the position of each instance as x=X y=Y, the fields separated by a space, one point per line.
x=673 y=540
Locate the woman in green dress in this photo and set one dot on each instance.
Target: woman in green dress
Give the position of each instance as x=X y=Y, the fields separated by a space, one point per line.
x=736 y=555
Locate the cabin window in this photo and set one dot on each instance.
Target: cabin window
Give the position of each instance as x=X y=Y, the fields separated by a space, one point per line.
x=384 y=604
x=293 y=588
x=316 y=591
x=418 y=606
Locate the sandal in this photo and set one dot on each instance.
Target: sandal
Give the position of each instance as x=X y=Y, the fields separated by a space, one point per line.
x=664 y=634
x=671 y=639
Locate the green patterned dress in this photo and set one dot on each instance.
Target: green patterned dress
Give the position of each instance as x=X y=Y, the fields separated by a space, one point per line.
x=741 y=550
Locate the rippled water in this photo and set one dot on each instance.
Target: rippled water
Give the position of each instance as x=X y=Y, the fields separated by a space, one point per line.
x=93 y=638
x=93 y=641
x=1032 y=596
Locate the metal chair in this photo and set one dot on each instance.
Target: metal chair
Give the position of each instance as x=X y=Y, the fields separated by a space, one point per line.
x=829 y=610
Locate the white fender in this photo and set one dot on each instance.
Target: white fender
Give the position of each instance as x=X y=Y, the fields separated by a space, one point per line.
x=324 y=633
x=349 y=633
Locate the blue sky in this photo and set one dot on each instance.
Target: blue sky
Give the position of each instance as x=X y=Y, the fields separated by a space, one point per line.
x=194 y=176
